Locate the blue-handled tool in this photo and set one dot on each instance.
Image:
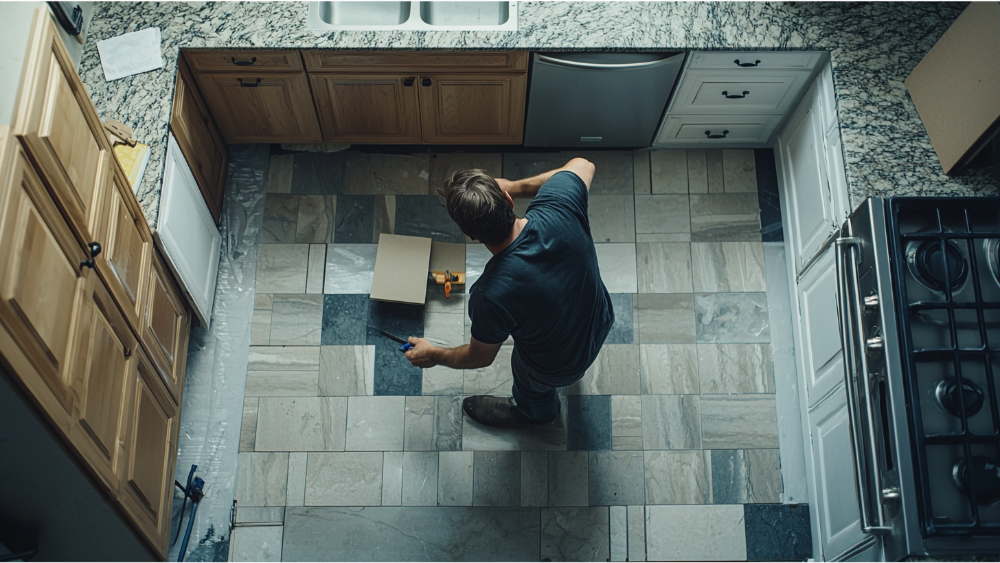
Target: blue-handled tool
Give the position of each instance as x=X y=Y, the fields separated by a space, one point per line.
x=406 y=347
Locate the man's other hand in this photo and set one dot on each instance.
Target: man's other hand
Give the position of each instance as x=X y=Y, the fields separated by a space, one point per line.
x=422 y=354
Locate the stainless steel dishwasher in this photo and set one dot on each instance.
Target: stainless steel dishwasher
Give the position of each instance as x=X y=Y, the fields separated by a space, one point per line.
x=598 y=99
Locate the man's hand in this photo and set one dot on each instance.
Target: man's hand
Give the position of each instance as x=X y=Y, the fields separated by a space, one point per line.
x=423 y=353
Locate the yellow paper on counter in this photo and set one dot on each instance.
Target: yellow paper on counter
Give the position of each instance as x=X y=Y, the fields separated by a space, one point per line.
x=133 y=161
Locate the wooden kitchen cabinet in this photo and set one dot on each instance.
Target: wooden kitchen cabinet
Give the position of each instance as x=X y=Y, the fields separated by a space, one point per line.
x=165 y=328
x=357 y=108
x=472 y=108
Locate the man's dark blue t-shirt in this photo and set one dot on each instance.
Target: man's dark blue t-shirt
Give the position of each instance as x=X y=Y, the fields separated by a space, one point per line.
x=545 y=289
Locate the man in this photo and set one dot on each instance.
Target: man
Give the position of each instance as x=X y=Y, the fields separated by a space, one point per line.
x=542 y=286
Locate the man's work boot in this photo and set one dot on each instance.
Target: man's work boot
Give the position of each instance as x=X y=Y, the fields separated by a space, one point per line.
x=493 y=411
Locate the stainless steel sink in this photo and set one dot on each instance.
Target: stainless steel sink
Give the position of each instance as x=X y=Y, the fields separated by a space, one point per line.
x=413 y=15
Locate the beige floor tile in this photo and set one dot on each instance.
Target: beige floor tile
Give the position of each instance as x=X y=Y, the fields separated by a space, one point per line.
x=301 y=424
x=619 y=533
x=282 y=384
x=284 y=358
x=690 y=533
x=671 y=422
x=668 y=171
x=678 y=477
x=669 y=369
x=697 y=171
x=346 y=370
x=740 y=170
x=261 y=478
x=665 y=318
x=739 y=421
x=375 y=423
x=612 y=218
x=746 y=476
x=279 y=174
x=617 y=262
x=663 y=214
x=725 y=217
x=735 y=368
x=663 y=267
x=626 y=415
x=260 y=327
x=344 y=479
x=728 y=266
x=280 y=212
x=281 y=268
x=316 y=219
x=248 y=430
x=615 y=371
x=297 y=320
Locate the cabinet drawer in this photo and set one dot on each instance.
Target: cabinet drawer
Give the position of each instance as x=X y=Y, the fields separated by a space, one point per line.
x=696 y=130
x=732 y=92
x=756 y=60
x=415 y=61
x=243 y=60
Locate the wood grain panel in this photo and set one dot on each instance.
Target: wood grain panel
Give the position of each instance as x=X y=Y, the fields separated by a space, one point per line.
x=127 y=250
x=226 y=60
x=471 y=108
x=320 y=60
x=165 y=328
x=367 y=108
x=261 y=108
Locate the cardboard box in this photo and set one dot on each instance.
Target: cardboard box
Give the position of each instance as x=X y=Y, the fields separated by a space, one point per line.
x=401 y=267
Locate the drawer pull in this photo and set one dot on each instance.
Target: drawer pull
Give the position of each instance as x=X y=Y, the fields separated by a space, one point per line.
x=95 y=249
x=408 y=82
x=745 y=65
x=243 y=63
x=425 y=82
x=722 y=136
x=254 y=85
x=735 y=96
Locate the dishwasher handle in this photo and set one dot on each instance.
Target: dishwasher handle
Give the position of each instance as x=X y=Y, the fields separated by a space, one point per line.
x=575 y=64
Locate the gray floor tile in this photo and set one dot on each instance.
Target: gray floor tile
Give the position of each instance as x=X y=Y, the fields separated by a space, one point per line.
x=497 y=479
x=640 y=172
x=665 y=318
x=261 y=479
x=317 y=219
x=350 y=268
x=678 y=477
x=316 y=270
x=297 y=320
x=262 y=301
x=443 y=165
x=713 y=159
x=385 y=216
x=728 y=266
x=355 y=220
x=688 y=533
x=375 y=423
x=617 y=262
x=301 y=424
x=420 y=478
x=442 y=533
x=623 y=331
x=345 y=319
x=495 y=379
x=257 y=543
x=612 y=218
x=280 y=214
x=448 y=423
x=282 y=384
x=440 y=380
x=613 y=173
x=636 y=533
x=666 y=214
x=697 y=171
x=739 y=171
x=248 y=429
x=346 y=370
x=669 y=369
x=279 y=174
x=663 y=237
x=626 y=415
x=281 y=268
x=614 y=372
x=418 y=424
x=455 y=478
x=725 y=217
x=588 y=422
x=568 y=476
x=426 y=216
x=778 y=532
x=251 y=515
x=668 y=171
x=619 y=533
x=296 y=489
x=745 y=476
x=387 y=173
x=739 y=421
x=626 y=443
x=575 y=534
x=534 y=479
x=551 y=437
x=517 y=166
x=319 y=173
x=663 y=267
x=616 y=478
x=672 y=422
x=343 y=479
x=284 y=358
x=735 y=368
x=731 y=317
x=392 y=479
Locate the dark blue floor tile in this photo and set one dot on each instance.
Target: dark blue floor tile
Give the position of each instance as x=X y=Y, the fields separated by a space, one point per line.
x=777 y=532
x=345 y=319
x=355 y=221
x=319 y=173
x=394 y=375
x=425 y=216
x=621 y=331
x=588 y=422
x=767 y=196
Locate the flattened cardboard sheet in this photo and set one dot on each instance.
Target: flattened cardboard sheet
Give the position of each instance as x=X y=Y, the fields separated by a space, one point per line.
x=401 y=267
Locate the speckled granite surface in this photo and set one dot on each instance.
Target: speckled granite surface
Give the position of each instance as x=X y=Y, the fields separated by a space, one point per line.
x=874 y=46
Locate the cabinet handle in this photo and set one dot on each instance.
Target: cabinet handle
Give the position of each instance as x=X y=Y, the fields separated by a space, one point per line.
x=254 y=85
x=408 y=82
x=735 y=96
x=744 y=65
x=95 y=249
x=425 y=82
x=128 y=351
x=243 y=63
x=722 y=136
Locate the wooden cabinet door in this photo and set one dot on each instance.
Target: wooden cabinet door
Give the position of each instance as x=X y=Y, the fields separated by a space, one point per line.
x=261 y=108
x=472 y=108
x=367 y=108
x=150 y=456
x=61 y=130
x=102 y=358
x=127 y=247
x=166 y=326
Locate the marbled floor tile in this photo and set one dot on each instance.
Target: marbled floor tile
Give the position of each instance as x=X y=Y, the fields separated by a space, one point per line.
x=778 y=532
x=392 y=478
x=350 y=268
x=319 y=173
x=575 y=534
x=663 y=267
x=728 y=266
x=617 y=262
x=588 y=422
x=297 y=320
x=262 y=302
x=279 y=174
x=616 y=478
x=697 y=171
x=375 y=423
x=567 y=478
x=426 y=216
x=767 y=196
x=534 y=478
x=626 y=415
x=663 y=214
x=444 y=319
x=283 y=358
x=440 y=380
x=387 y=173
x=738 y=421
x=394 y=374
x=346 y=370
x=672 y=422
x=612 y=218
x=282 y=384
x=716 y=176
x=251 y=515
x=619 y=533
x=316 y=269
x=296 y=487
x=420 y=478
x=724 y=217
x=745 y=476
x=626 y=443
x=613 y=173
x=301 y=424
x=497 y=479
x=691 y=533
x=623 y=331
x=317 y=219
x=668 y=171
x=443 y=165
x=731 y=317
x=665 y=318
x=668 y=369
x=494 y=379
x=345 y=319
x=455 y=478
x=440 y=533
x=640 y=172
x=418 y=424
x=280 y=212
x=663 y=237
x=678 y=477
x=281 y=268
x=385 y=216
x=448 y=423
x=261 y=478
x=739 y=171
x=735 y=368
x=257 y=543
x=248 y=428
x=614 y=372
x=636 y=533
x=260 y=327
x=343 y=479
x=550 y=437
x=520 y=165
x=355 y=219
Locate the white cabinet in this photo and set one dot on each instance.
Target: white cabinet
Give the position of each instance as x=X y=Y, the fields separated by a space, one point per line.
x=718 y=130
x=716 y=91
x=821 y=361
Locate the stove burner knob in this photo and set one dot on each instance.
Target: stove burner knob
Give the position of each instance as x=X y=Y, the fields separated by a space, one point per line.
x=874 y=343
x=871 y=302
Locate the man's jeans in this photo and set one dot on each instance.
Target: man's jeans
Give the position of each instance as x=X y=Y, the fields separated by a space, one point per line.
x=536 y=400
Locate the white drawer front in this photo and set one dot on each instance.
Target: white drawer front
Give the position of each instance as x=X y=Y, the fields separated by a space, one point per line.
x=734 y=92
x=756 y=60
x=722 y=130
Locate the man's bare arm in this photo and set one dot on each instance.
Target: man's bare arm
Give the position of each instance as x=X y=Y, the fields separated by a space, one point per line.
x=473 y=355
x=529 y=187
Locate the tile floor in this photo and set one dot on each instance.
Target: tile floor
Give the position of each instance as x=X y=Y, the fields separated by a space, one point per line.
x=666 y=449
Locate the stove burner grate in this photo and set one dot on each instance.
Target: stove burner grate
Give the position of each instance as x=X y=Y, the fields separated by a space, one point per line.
x=951 y=399
x=986 y=475
x=924 y=260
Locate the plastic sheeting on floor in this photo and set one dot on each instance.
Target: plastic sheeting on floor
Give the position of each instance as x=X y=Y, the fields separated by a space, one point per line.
x=217 y=364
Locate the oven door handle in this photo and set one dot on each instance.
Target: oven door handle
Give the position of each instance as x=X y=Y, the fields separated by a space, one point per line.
x=852 y=337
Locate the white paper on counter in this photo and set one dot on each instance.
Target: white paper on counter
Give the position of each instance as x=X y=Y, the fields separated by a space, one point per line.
x=131 y=53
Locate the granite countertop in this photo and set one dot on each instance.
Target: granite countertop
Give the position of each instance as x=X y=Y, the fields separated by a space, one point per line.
x=873 y=46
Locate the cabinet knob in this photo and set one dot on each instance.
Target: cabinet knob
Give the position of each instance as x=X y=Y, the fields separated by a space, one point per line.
x=722 y=136
x=425 y=82
x=735 y=96
x=95 y=249
x=408 y=82
x=243 y=63
x=755 y=63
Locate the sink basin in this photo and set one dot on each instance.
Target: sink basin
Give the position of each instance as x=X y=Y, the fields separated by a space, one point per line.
x=413 y=15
